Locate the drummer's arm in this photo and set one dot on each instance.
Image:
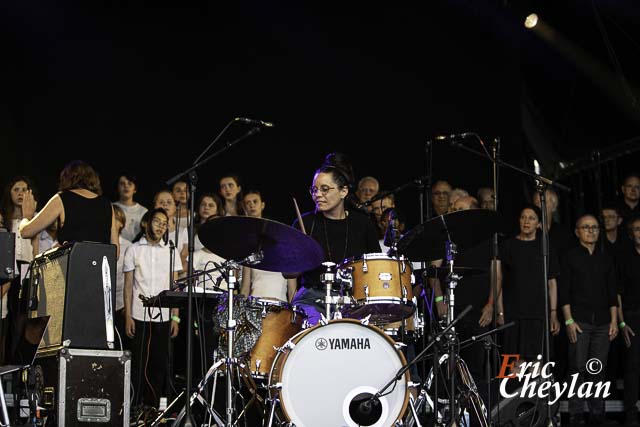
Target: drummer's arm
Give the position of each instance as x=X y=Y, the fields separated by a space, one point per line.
x=292 y=287
x=245 y=286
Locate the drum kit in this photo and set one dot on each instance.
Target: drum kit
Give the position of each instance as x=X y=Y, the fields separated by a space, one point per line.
x=350 y=368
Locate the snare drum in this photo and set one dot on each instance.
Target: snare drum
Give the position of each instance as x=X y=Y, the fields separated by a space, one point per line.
x=328 y=368
x=381 y=286
x=410 y=328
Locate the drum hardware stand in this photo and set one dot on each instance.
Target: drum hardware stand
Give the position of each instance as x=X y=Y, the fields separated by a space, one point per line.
x=328 y=278
x=365 y=407
x=488 y=346
x=229 y=362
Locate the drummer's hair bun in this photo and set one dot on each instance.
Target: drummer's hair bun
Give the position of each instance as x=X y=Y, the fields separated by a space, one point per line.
x=339 y=165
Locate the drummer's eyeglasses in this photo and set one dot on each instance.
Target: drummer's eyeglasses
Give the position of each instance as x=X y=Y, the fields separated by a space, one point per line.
x=324 y=189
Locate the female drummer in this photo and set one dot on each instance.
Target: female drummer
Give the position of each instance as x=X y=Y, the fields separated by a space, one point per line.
x=341 y=233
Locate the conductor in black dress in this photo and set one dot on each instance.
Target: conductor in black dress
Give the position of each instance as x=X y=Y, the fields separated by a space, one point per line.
x=81 y=211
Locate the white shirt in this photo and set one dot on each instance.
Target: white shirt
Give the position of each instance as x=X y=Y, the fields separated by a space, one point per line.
x=151 y=266
x=124 y=244
x=268 y=284
x=24 y=249
x=134 y=214
x=45 y=241
x=204 y=260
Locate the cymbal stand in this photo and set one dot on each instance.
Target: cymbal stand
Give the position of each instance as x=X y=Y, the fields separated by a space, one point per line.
x=435 y=339
x=452 y=282
x=328 y=278
x=230 y=363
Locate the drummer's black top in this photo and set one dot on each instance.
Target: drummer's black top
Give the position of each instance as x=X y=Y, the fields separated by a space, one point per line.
x=340 y=239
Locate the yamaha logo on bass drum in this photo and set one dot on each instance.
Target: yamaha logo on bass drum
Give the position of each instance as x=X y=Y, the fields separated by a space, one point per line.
x=343 y=344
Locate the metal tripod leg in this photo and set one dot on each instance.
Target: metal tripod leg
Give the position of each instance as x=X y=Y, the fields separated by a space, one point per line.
x=476 y=404
x=203 y=383
x=272 y=410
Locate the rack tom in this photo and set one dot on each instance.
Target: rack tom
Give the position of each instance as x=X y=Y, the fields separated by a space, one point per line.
x=381 y=287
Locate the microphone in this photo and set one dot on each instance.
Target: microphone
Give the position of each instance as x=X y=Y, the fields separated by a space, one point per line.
x=496 y=147
x=365 y=409
x=254 y=122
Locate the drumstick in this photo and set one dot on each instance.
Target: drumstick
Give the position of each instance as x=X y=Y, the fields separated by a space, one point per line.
x=295 y=203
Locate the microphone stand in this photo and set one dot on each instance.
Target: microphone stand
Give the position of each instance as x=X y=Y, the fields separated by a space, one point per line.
x=420 y=356
x=495 y=151
x=432 y=319
x=541 y=185
x=193 y=179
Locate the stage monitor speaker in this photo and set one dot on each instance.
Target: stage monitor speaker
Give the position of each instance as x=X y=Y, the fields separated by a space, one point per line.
x=7 y=255
x=69 y=284
x=522 y=411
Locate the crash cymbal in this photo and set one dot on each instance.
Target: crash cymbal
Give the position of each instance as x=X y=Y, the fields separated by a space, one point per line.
x=465 y=228
x=441 y=273
x=285 y=249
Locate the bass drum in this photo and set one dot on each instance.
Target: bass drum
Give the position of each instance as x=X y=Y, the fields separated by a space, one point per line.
x=325 y=371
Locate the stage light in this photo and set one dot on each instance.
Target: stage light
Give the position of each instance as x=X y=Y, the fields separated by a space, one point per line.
x=531 y=20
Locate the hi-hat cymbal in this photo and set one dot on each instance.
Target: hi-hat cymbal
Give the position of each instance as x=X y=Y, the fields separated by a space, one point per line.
x=465 y=228
x=285 y=249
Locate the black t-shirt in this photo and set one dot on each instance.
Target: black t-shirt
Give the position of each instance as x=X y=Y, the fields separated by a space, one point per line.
x=561 y=239
x=340 y=239
x=588 y=283
x=85 y=219
x=522 y=278
x=629 y=284
x=473 y=290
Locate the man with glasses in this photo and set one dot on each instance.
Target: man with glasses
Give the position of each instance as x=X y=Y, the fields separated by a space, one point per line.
x=629 y=321
x=587 y=293
x=368 y=188
x=440 y=193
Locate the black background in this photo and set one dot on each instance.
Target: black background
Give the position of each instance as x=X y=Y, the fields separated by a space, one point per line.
x=144 y=87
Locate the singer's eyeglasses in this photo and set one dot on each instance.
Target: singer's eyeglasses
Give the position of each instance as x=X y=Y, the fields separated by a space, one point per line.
x=589 y=228
x=324 y=189
x=159 y=223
